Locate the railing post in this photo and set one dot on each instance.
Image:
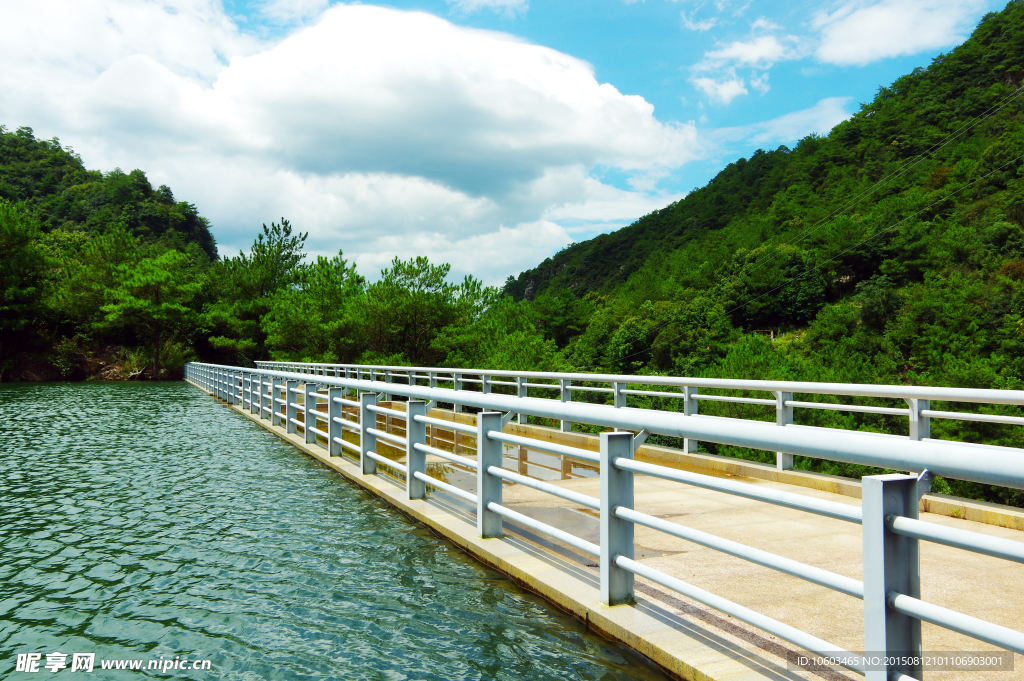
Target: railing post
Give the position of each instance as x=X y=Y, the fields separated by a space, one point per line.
x=415 y=460
x=616 y=533
x=387 y=379
x=334 y=411
x=275 y=395
x=566 y=396
x=254 y=392
x=488 y=487
x=891 y=564
x=457 y=385
x=691 y=407
x=521 y=392
x=485 y=384
x=783 y=417
x=290 y=412
x=367 y=441
x=920 y=426
x=263 y=399
x=618 y=398
x=309 y=402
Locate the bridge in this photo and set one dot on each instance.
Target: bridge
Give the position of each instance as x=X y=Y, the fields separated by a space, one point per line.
x=714 y=567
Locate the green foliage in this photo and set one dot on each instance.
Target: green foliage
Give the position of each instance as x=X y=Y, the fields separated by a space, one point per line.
x=22 y=270
x=312 y=321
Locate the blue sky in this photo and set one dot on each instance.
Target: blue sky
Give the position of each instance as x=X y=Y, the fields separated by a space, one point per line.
x=399 y=129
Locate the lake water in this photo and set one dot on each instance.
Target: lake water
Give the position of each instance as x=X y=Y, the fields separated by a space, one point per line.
x=148 y=522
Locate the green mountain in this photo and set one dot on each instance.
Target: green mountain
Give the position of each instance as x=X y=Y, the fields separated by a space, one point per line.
x=935 y=149
x=59 y=193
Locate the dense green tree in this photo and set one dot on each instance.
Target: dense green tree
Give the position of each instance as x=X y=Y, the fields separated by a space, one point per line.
x=22 y=270
x=243 y=289
x=152 y=296
x=312 y=321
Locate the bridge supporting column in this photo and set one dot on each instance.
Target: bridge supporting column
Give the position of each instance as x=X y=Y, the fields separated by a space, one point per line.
x=367 y=441
x=891 y=566
x=616 y=533
x=488 y=487
x=415 y=460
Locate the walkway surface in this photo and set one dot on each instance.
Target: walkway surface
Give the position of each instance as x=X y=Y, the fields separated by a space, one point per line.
x=689 y=639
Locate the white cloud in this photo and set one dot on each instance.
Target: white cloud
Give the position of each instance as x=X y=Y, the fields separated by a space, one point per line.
x=287 y=11
x=765 y=24
x=372 y=128
x=506 y=7
x=761 y=52
x=820 y=118
x=724 y=91
x=858 y=32
x=701 y=26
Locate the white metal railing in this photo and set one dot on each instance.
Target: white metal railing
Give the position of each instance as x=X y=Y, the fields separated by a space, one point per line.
x=890 y=590
x=917 y=399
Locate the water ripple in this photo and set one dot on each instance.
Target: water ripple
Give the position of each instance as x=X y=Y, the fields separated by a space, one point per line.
x=146 y=520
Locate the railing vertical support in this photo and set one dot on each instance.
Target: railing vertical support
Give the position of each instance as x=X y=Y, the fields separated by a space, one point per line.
x=616 y=533
x=415 y=460
x=691 y=407
x=566 y=396
x=334 y=429
x=457 y=385
x=254 y=393
x=783 y=417
x=263 y=398
x=309 y=401
x=920 y=426
x=387 y=379
x=891 y=564
x=521 y=392
x=367 y=441
x=488 y=487
x=291 y=413
x=485 y=384
x=275 y=395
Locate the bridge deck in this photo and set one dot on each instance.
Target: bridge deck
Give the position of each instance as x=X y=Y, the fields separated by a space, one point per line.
x=689 y=639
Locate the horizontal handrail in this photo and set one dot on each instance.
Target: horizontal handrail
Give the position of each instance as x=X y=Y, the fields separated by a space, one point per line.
x=397 y=439
x=345 y=443
x=849 y=407
x=551 y=531
x=976 y=542
x=852 y=389
x=986 y=464
x=351 y=403
x=447 y=425
x=550 y=447
x=385 y=410
x=956 y=621
x=773 y=626
x=454 y=458
x=823 y=507
x=349 y=424
x=846 y=585
x=387 y=462
x=468 y=496
x=568 y=495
